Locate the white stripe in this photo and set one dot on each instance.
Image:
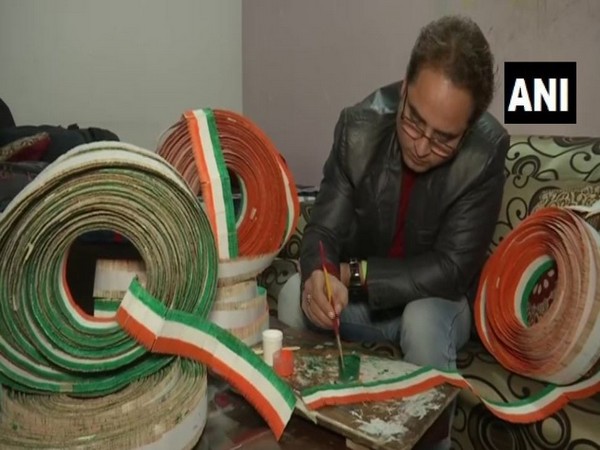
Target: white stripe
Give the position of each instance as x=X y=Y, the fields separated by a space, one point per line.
x=237 y=292
x=142 y=313
x=244 y=202
x=234 y=319
x=104 y=314
x=290 y=203
x=183 y=332
x=83 y=320
x=484 y=334
x=582 y=385
x=526 y=408
x=215 y=182
x=244 y=266
x=115 y=275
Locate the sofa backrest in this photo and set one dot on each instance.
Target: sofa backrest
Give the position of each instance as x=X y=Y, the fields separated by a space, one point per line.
x=554 y=157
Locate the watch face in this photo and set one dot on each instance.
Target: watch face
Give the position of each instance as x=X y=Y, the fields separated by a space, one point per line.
x=354 y=274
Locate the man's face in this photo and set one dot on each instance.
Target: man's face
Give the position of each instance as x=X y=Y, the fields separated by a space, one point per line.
x=432 y=121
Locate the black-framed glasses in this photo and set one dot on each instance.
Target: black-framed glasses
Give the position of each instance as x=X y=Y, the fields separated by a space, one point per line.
x=415 y=132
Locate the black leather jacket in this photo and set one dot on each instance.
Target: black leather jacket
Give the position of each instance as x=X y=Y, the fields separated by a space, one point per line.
x=451 y=214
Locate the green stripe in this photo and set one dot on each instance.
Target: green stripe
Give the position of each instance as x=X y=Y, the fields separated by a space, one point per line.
x=225 y=184
x=527 y=401
x=105 y=305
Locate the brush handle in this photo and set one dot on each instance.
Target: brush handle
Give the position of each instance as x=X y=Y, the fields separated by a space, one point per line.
x=336 y=319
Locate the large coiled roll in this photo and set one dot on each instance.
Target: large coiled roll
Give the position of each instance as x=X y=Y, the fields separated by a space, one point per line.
x=47 y=342
x=206 y=146
x=165 y=410
x=562 y=345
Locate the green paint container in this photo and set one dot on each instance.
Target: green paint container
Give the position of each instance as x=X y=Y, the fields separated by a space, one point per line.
x=350 y=371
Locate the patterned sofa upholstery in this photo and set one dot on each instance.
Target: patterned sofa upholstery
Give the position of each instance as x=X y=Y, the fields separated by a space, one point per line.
x=540 y=170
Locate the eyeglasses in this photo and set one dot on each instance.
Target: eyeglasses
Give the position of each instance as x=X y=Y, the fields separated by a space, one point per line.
x=415 y=132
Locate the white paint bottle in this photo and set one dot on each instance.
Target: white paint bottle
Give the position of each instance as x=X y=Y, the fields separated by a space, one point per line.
x=272 y=340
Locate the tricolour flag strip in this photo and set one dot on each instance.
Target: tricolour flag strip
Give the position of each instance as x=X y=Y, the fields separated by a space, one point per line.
x=214 y=149
x=177 y=333
x=531 y=409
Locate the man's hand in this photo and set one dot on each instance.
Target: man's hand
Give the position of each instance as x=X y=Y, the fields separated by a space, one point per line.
x=315 y=303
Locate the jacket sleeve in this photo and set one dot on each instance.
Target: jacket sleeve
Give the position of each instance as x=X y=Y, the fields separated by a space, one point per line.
x=331 y=211
x=458 y=254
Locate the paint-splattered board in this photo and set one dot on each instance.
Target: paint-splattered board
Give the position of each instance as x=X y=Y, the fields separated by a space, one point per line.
x=394 y=424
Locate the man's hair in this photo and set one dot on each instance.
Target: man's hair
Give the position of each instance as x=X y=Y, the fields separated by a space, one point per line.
x=456 y=46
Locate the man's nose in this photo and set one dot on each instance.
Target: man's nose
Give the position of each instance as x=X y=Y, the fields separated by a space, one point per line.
x=422 y=146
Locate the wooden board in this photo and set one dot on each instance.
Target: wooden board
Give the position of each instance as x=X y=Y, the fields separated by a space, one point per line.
x=391 y=425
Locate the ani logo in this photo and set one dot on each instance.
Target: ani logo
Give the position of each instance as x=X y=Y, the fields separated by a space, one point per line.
x=540 y=92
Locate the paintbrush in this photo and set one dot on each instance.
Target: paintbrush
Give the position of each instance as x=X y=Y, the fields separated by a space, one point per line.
x=336 y=319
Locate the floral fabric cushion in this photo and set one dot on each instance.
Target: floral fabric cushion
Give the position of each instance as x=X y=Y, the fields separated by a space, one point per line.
x=521 y=195
x=286 y=264
x=586 y=197
x=548 y=158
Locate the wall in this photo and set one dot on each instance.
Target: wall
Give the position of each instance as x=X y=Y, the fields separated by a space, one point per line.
x=130 y=66
x=305 y=60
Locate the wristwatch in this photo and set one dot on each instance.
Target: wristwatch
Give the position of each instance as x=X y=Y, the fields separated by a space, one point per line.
x=356 y=289
x=354 y=265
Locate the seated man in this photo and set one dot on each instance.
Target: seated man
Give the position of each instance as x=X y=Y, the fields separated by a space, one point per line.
x=408 y=202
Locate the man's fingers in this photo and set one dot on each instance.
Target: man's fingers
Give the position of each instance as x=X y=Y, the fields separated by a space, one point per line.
x=315 y=314
x=320 y=309
x=321 y=319
x=306 y=302
x=315 y=306
x=315 y=302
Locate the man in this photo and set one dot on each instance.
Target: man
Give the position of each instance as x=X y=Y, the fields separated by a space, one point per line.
x=408 y=202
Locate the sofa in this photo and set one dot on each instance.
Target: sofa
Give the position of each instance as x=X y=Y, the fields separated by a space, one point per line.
x=540 y=171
